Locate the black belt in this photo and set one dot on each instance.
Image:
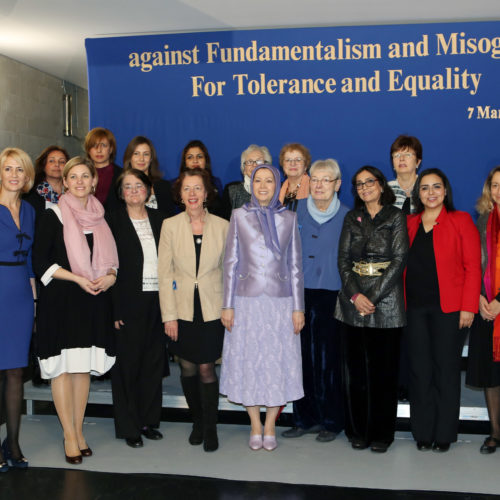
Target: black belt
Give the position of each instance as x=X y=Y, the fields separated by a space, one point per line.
x=10 y=264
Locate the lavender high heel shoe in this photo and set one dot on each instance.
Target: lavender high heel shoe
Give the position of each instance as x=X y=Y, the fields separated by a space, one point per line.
x=270 y=443
x=255 y=442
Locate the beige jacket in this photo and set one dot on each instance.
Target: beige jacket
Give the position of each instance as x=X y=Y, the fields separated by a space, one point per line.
x=177 y=268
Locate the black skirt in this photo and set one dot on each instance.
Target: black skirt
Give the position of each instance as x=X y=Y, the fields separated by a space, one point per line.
x=482 y=371
x=198 y=341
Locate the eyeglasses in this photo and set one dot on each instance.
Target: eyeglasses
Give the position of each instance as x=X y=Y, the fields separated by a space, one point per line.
x=404 y=156
x=250 y=163
x=368 y=183
x=314 y=180
x=289 y=161
x=131 y=187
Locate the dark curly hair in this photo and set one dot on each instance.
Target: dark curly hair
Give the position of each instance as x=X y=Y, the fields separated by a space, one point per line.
x=386 y=198
x=41 y=162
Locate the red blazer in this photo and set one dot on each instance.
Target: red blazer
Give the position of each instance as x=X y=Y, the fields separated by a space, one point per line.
x=458 y=259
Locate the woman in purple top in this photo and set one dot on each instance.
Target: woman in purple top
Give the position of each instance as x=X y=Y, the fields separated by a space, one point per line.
x=263 y=308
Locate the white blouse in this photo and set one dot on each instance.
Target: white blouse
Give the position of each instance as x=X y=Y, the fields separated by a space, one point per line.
x=150 y=268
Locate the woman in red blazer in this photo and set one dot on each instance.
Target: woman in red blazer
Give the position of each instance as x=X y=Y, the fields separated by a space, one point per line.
x=443 y=283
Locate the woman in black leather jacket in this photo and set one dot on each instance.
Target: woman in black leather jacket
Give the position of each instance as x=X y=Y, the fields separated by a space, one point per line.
x=372 y=255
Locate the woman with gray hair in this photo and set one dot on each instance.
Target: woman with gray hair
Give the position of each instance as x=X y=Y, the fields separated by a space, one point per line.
x=236 y=194
x=320 y=217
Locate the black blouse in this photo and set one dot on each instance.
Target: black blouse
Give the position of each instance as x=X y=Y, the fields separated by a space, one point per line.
x=422 y=286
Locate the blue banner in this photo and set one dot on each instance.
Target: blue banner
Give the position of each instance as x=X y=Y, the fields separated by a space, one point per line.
x=344 y=92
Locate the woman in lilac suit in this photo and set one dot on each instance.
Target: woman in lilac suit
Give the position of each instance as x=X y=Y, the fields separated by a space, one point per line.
x=263 y=308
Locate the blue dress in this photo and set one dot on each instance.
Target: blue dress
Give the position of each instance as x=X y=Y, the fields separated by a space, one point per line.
x=16 y=295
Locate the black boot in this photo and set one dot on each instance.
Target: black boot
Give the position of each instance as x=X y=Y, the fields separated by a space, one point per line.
x=191 y=388
x=210 y=405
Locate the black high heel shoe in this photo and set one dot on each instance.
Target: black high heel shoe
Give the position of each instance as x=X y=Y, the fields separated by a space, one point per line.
x=18 y=463
x=87 y=452
x=489 y=446
x=76 y=460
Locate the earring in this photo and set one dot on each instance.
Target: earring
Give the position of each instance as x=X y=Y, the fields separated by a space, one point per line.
x=92 y=191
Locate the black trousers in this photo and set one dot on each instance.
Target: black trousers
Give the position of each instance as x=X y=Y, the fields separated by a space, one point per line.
x=434 y=352
x=136 y=377
x=370 y=358
x=322 y=403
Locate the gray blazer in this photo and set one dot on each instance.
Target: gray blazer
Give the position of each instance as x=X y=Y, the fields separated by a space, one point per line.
x=251 y=269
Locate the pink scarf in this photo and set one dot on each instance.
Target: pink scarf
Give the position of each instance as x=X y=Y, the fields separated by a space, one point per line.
x=76 y=220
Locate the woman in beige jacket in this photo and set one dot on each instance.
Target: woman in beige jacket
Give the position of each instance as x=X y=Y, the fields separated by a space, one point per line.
x=190 y=257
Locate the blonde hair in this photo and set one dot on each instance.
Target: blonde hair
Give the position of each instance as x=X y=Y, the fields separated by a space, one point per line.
x=80 y=160
x=328 y=164
x=24 y=160
x=485 y=203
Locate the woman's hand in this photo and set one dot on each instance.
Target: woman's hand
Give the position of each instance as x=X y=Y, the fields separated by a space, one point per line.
x=227 y=318
x=466 y=319
x=494 y=306
x=105 y=282
x=298 y=321
x=86 y=285
x=485 y=309
x=118 y=324
x=363 y=305
x=172 y=329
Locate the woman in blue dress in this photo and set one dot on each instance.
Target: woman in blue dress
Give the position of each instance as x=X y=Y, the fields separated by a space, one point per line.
x=17 y=285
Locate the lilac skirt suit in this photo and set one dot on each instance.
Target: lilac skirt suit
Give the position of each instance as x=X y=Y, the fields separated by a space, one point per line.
x=261 y=361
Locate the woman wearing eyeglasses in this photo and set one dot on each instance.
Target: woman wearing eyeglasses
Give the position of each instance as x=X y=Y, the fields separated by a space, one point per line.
x=139 y=337
x=320 y=218
x=406 y=156
x=295 y=160
x=443 y=284
x=236 y=194
x=372 y=255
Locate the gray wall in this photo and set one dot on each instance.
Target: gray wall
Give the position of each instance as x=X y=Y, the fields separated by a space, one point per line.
x=31 y=110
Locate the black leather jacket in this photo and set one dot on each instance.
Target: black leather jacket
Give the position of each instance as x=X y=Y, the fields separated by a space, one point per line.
x=383 y=238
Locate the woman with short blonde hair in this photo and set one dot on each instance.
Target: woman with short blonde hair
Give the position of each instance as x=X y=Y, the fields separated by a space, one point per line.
x=17 y=289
